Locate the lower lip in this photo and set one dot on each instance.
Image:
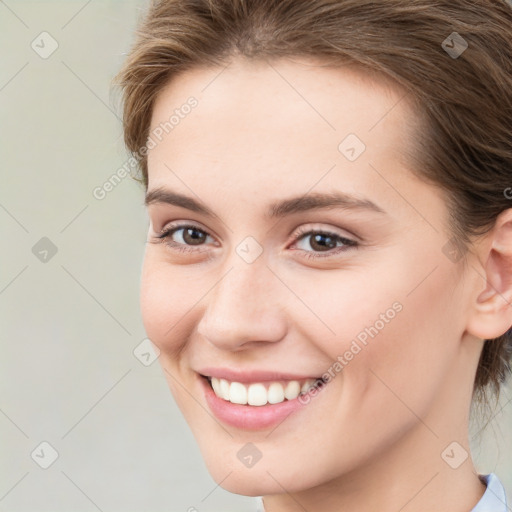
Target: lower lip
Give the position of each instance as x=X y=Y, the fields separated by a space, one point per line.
x=249 y=417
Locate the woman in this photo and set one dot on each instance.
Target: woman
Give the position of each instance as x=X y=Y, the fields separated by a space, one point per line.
x=329 y=259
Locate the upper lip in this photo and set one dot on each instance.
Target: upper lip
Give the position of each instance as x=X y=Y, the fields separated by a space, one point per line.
x=251 y=375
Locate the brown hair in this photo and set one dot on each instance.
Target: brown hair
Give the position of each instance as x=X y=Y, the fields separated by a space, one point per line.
x=464 y=101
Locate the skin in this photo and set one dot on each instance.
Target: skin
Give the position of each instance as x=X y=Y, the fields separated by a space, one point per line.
x=264 y=132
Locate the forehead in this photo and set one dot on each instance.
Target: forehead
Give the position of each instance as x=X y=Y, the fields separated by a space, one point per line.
x=274 y=93
x=259 y=126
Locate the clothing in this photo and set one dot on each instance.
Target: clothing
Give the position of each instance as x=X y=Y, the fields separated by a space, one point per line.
x=493 y=500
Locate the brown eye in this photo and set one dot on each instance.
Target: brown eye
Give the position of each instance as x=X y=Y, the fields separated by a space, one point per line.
x=319 y=244
x=192 y=236
x=183 y=238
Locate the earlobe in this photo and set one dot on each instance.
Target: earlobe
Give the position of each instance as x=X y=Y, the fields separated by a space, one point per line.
x=492 y=312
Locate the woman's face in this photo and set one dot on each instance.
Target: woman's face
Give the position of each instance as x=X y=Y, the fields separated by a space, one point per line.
x=314 y=251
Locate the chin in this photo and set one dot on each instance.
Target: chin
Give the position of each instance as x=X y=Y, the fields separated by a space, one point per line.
x=246 y=481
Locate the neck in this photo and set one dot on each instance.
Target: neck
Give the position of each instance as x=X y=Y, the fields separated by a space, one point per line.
x=399 y=480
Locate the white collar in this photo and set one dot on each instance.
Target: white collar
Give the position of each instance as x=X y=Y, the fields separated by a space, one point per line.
x=493 y=500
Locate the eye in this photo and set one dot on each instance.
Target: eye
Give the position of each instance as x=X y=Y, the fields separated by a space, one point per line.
x=323 y=243
x=187 y=236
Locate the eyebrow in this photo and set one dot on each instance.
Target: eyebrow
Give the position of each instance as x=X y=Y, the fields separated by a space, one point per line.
x=293 y=205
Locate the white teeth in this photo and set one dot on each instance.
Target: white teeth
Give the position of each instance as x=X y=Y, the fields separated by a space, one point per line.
x=224 y=389
x=292 y=390
x=258 y=394
x=275 y=393
x=237 y=393
x=216 y=387
x=307 y=386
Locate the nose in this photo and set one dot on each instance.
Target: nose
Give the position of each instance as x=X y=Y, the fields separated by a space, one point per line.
x=243 y=309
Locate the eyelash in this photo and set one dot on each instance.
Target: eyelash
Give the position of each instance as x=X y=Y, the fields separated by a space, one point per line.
x=301 y=233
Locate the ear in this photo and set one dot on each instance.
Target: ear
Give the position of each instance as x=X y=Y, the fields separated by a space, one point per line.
x=492 y=309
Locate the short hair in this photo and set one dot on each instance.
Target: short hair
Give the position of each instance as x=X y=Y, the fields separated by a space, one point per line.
x=452 y=57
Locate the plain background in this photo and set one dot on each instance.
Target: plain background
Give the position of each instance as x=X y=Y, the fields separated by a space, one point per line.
x=69 y=285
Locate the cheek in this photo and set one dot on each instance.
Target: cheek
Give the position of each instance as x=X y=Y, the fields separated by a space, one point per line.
x=399 y=318
x=397 y=343
x=165 y=300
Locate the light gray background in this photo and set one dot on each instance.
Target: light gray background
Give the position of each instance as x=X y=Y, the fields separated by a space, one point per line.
x=70 y=324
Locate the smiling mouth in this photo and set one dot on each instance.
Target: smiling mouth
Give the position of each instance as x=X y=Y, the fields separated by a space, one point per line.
x=261 y=393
